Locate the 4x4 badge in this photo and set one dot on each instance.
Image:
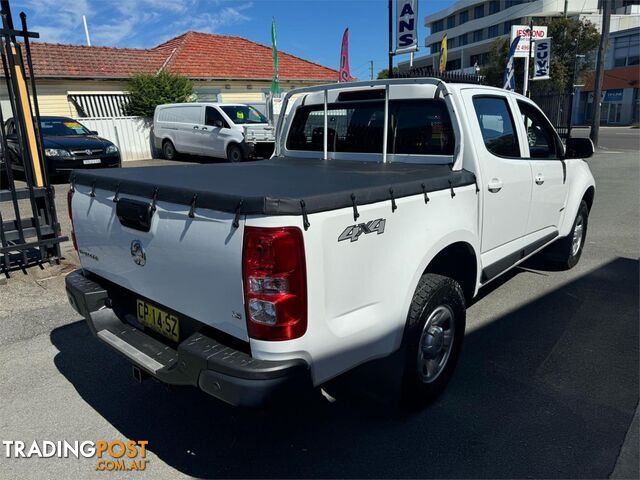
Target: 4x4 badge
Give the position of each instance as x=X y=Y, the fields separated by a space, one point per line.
x=354 y=231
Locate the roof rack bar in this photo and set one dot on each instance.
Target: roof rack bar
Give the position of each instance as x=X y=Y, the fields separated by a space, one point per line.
x=326 y=125
x=385 y=131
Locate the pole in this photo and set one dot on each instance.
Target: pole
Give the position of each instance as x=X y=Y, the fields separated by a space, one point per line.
x=371 y=63
x=390 y=38
x=597 y=89
x=525 y=86
x=572 y=95
x=566 y=8
x=86 y=30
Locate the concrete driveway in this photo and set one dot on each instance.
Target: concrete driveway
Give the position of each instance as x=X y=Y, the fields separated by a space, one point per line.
x=547 y=385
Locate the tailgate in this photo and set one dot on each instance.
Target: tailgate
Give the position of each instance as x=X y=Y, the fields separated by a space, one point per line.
x=191 y=265
x=259 y=133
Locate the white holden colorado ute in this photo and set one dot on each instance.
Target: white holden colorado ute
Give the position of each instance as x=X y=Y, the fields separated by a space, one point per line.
x=386 y=206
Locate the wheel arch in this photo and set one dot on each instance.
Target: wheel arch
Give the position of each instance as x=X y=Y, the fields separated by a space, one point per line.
x=458 y=261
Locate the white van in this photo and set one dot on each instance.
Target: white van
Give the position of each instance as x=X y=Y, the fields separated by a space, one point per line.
x=221 y=130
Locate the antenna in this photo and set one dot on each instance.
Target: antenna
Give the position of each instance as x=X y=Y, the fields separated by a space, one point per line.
x=86 y=30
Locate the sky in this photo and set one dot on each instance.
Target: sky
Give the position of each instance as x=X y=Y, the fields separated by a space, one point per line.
x=311 y=29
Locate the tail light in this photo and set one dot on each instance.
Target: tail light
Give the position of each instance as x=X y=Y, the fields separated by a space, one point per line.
x=275 y=283
x=69 y=202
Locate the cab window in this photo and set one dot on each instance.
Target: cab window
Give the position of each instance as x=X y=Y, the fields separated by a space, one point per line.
x=496 y=125
x=540 y=135
x=211 y=115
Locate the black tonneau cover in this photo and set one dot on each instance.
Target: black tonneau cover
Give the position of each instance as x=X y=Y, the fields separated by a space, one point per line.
x=279 y=186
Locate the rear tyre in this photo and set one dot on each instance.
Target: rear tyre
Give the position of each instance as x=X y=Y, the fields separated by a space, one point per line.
x=235 y=154
x=168 y=150
x=566 y=252
x=432 y=339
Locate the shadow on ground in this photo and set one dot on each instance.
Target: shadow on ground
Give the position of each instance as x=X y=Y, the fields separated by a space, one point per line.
x=548 y=390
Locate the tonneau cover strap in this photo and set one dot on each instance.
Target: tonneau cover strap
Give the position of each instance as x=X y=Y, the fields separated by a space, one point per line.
x=424 y=190
x=236 y=218
x=305 y=219
x=355 y=207
x=192 y=208
x=393 y=201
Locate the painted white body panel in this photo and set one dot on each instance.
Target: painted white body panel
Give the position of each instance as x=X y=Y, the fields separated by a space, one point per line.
x=359 y=293
x=193 y=136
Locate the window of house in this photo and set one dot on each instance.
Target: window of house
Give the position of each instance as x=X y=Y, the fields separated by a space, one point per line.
x=540 y=134
x=477 y=36
x=463 y=39
x=513 y=3
x=464 y=17
x=452 y=42
x=434 y=48
x=480 y=59
x=493 y=31
x=437 y=26
x=494 y=7
x=478 y=12
x=451 y=21
x=626 y=51
x=496 y=125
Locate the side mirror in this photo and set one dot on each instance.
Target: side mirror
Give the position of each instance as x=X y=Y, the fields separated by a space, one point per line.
x=93 y=132
x=218 y=123
x=579 y=148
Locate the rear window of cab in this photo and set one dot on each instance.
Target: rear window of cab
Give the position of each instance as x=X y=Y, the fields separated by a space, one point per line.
x=416 y=127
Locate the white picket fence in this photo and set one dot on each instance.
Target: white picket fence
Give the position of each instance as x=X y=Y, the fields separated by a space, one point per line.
x=130 y=134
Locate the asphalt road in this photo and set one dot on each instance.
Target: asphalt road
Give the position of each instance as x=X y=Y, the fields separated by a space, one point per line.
x=547 y=385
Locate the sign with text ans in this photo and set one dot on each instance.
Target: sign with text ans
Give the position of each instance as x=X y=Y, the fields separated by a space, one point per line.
x=406 y=26
x=522 y=31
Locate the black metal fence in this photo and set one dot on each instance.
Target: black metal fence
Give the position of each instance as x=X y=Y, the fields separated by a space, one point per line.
x=556 y=107
x=452 y=77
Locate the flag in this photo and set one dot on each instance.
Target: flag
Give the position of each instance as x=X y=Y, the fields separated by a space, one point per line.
x=542 y=65
x=275 y=83
x=443 y=55
x=345 y=74
x=509 y=77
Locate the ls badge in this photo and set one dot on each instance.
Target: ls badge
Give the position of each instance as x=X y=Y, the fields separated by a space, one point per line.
x=137 y=253
x=354 y=231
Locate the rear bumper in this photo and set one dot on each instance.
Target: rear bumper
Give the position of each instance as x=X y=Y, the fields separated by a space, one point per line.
x=219 y=370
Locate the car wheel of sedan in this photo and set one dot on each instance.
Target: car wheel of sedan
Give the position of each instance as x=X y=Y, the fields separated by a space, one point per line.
x=433 y=338
x=168 y=150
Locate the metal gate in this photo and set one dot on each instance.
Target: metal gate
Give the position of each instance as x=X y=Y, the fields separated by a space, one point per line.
x=29 y=229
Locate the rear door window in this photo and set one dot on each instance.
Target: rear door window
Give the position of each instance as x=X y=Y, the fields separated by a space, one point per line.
x=420 y=127
x=496 y=125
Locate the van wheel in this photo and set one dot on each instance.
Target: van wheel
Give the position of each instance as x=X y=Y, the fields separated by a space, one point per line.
x=432 y=339
x=235 y=154
x=566 y=252
x=168 y=150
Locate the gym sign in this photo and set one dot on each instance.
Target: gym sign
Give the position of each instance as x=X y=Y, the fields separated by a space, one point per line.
x=523 y=31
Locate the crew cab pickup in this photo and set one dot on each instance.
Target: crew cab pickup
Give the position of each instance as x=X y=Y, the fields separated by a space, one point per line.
x=387 y=205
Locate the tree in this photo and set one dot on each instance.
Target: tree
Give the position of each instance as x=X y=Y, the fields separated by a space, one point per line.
x=148 y=91
x=569 y=36
x=382 y=74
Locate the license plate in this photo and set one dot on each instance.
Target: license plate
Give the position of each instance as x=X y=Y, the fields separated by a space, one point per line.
x=157 y=319
x=91 y=161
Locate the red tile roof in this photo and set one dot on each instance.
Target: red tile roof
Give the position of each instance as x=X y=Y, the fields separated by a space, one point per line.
x=193 y=54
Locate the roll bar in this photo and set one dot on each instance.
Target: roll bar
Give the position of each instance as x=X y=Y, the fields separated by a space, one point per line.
x=387 y=83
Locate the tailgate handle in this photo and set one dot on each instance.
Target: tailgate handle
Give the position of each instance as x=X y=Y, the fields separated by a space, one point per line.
x=135 y=214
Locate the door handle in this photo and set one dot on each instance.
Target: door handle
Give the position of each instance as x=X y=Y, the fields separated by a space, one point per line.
x=539 y=179
x=495 y=185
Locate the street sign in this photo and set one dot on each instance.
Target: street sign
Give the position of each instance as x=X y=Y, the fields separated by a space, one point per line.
x=522 y=31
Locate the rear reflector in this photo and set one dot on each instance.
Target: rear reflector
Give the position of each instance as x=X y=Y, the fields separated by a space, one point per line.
x=275 y=283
